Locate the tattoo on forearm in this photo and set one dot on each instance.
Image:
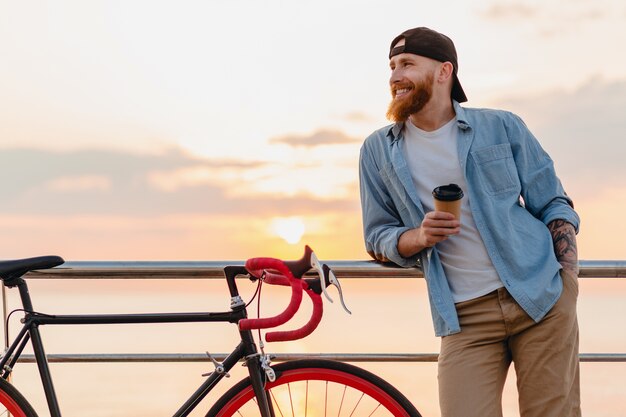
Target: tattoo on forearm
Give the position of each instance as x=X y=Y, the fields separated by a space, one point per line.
x=564 y=239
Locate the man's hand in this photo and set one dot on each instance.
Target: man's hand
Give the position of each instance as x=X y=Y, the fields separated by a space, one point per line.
x=436 y=227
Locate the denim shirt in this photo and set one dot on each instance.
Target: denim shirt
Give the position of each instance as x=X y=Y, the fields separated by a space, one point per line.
x=514 y=194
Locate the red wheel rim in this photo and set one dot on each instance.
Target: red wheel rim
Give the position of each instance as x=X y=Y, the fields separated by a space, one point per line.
x=319 y=374
x=11 y=405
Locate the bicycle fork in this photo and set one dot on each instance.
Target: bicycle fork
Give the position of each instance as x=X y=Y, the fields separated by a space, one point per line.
x=254 y=361
x=258 y=379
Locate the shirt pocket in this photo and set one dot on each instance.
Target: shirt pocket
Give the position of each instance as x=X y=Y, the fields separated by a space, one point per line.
x=496 y=168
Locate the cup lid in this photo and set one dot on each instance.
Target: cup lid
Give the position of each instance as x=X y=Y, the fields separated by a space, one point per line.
x=450 y=192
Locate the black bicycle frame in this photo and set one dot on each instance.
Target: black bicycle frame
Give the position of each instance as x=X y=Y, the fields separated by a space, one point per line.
x=245 y=350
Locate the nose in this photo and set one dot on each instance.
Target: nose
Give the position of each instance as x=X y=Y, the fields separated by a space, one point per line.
x=395 y=76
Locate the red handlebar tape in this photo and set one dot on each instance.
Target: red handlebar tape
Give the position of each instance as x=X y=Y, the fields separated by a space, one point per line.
x=307 y=329
x=281 y=275
x=255 y=265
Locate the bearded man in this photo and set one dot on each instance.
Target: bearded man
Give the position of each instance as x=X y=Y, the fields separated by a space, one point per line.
x=502 y=278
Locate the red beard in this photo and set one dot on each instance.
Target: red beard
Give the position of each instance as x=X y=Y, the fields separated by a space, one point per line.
x=401 y=108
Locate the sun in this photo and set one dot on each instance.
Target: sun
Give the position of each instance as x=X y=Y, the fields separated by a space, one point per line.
x=290 y=229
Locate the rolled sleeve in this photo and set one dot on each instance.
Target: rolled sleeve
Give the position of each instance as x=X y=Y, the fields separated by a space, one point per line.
x=382 y=223
x=561 y=211
x=385 y=249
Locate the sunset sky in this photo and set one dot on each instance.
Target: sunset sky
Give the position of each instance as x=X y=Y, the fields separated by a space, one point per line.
x=228 y=129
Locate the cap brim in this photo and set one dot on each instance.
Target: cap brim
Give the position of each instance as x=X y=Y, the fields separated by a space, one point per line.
x=457 y=91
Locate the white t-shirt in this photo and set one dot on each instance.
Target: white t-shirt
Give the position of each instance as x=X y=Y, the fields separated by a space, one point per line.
x=433 y=160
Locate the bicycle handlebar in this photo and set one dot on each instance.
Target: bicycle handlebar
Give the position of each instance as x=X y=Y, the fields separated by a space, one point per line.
x=286 y=273
x=308 y=328
x=256 y=267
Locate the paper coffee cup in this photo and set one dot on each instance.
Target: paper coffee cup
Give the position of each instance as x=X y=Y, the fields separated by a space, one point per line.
x=448 y=199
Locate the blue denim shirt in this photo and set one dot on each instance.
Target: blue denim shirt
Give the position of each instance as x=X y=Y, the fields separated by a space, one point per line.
x=514 y=192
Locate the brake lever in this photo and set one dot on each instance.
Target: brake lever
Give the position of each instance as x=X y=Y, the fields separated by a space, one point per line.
x=315 y=263
x=332 y=279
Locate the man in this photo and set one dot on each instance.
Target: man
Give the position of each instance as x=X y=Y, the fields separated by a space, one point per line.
x=502 y=278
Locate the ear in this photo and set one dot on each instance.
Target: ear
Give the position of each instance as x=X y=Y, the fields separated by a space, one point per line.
x=445 y=71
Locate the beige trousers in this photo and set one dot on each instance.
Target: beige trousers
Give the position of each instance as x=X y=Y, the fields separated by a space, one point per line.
x=495 y=330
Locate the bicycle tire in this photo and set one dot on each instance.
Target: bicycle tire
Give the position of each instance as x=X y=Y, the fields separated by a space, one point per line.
x=359 y=393
x=12 y=402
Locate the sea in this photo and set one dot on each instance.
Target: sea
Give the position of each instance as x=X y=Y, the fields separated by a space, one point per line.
x=388 y=316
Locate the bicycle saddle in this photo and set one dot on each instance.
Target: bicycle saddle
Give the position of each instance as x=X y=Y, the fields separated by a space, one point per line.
x=10 y=270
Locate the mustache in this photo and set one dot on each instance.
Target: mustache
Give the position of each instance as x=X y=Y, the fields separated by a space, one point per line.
x=399 y=86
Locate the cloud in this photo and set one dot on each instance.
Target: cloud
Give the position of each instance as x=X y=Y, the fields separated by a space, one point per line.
x=172 y=181
x=500 y=11
x=77 y=184
x=583 y=130
x=42 y=170
x=358 y=117
x=319 y=138
x=547 y=19
x=105 y=182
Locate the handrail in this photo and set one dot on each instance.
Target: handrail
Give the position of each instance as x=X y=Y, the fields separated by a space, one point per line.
x=279 y=357
x=214 y=270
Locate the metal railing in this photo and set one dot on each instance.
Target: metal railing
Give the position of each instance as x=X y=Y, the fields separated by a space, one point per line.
x=214 y=270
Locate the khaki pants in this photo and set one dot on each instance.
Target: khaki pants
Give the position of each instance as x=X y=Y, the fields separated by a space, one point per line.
x=495 y=331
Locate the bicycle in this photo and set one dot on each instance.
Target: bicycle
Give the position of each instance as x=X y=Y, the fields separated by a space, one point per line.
x=306 y=387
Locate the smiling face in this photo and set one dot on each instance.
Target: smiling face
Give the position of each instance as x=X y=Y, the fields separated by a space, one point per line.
x=412 y=82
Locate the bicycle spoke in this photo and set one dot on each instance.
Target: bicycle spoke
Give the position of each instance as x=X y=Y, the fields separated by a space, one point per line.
x=276 y=402
x=306 y=399
x=345 y=387
x=372 y=413
x=291 y=400
x=326 y=401
x=357 y=405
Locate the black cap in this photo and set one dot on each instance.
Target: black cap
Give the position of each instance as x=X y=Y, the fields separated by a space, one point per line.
x=430 y=44
x=450 y=192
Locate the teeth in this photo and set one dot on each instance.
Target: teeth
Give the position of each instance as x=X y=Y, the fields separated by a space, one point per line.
x=402 y=90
